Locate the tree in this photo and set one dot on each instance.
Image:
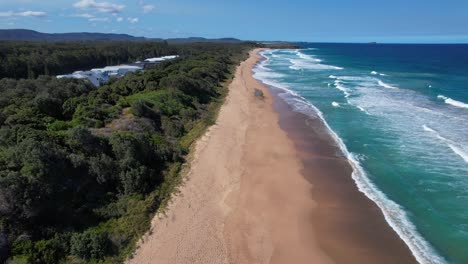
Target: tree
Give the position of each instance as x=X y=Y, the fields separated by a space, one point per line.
x=80 y=139
x=144 y=108
x=4 y=246
x=2 y=118
x=104 y=168
x=48 y=105
x=65 y=179
x=89 y=245
x=135 y=180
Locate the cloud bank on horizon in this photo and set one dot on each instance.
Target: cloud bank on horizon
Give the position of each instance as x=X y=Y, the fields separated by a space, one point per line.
x=92 y=12
x=296 y=20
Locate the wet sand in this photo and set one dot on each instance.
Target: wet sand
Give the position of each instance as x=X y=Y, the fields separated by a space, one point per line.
x=350 y=228
x=264 y=187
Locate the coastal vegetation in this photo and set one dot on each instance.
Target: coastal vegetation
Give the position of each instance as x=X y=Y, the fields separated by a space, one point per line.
x=259 y=93
x=32 y=59
x=84 y=169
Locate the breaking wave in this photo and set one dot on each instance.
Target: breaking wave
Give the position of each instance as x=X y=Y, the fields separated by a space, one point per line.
x=450 y=101
x=394 y=214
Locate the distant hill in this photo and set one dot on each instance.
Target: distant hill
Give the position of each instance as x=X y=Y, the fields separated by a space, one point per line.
x=193 y=40
x=31 y=35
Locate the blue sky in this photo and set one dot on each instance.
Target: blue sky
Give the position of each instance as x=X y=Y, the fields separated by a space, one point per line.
x=295 y=20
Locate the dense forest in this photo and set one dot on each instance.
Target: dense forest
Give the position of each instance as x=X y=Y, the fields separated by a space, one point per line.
x=32 y=59
x=84 y=169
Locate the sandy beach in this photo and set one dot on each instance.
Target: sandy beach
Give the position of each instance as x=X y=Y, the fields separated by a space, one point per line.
x=268 y=185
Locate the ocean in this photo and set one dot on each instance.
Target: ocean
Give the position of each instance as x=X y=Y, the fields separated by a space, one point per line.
x=399 y=112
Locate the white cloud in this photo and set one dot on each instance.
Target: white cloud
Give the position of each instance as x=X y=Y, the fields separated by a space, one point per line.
x=99 y=19
x=103 y=7
x=93 y=18
x=85 y=15
x=23 y=14
x=148 y=8
x=119 y=19
x=133 y=19
x=32 y=14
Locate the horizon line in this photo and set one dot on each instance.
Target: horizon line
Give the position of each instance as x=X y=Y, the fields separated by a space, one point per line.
x=260 y=41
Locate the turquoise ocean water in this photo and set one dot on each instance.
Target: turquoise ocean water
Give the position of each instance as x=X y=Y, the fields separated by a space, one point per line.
x=400 y=114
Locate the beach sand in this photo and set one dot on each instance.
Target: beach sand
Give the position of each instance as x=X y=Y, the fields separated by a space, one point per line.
x=265 y=186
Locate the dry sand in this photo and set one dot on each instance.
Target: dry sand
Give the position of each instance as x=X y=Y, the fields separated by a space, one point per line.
x=245 y=199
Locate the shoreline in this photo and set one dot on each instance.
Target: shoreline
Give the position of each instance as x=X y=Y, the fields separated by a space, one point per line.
x=350 y=227
x=264 y=187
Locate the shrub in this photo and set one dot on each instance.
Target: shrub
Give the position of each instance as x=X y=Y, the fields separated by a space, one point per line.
x=139 y=108
x=259 y=93
x=89 y=245
x=4 y=247
x=80 y=139
x=48 y=251
x=42 y=251
x=2 y=118
x=169 y=102
x=57 y=178
x=104 y=168
x=143 y=108
x=48 y=105
x=172 y=127
x=135 y=180
x=58 y=125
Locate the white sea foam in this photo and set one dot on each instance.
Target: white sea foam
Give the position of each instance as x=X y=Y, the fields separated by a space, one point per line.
x=428 y=129
x=378 y=73
x=309 y=62
x=335 y=104
x=346 y=91
x=307 y=57
x=450 y=101
x=457 y=149
x=271 y=82
x=301 y=64
x=459 y=152
x=268 y=74
x=362 y=109
x=386 y=85
x=394 y=214
x=354 y=78
x=293 y=51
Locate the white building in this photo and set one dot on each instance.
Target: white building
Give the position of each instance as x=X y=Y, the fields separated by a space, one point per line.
x=95 y=78
x=117 y=71
x=159 y=59
x=99 y=76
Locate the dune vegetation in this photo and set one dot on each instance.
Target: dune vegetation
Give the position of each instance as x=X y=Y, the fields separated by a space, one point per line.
x=84 y=169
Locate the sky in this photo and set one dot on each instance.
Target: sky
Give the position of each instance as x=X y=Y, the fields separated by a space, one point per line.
x=391 y=21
